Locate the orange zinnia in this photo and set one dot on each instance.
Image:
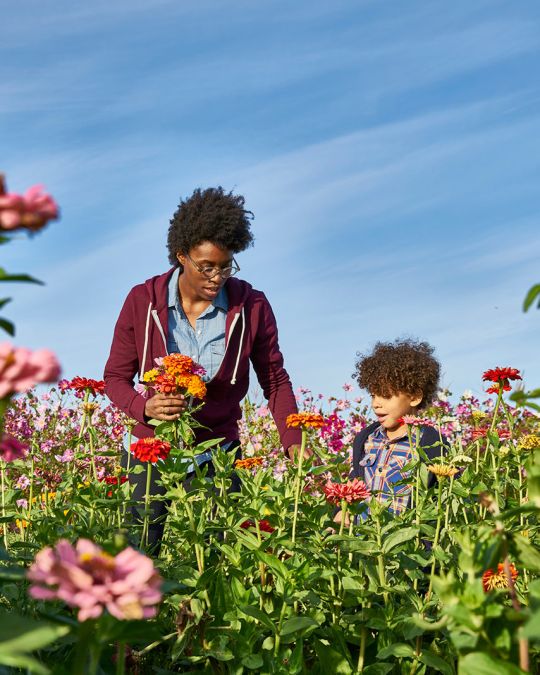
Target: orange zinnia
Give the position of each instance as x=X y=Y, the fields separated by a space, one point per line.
x=248 y=462
x=306 y=420
x=492 y=580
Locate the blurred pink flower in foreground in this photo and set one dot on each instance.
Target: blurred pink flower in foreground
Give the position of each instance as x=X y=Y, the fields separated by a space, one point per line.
x=11 y=449
x=84 y=576
x=414 y=421
x=352 y=491
x=32 y=210
x=21 y=369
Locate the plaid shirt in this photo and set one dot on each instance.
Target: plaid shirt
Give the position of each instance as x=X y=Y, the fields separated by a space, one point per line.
x=382 y=466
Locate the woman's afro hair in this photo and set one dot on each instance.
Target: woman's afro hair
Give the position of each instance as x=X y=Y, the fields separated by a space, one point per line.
x=403 y=366
x=209 y=215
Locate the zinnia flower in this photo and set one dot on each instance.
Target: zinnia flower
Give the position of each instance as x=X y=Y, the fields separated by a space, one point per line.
x=248 y=462
x=113 y=480
x=84 y=576
x=83 y=384
x=21 y=369
x=264 y=525
x=492 y=580
x=32 y=210
x=414 y=421
x=305 y=420
x=11 y=449
x=501 y=377
x=529 y=442
x=176 y=373
x=351 y=491
x=150 y=449
x=443 y=470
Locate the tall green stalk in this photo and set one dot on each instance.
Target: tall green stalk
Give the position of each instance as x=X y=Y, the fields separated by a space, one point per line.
x=144 y=534
x=297 y=484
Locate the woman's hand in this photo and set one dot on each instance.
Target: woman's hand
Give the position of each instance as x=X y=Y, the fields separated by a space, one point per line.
x=165 y=407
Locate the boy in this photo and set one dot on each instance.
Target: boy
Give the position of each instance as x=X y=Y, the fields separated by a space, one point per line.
x=402 y=378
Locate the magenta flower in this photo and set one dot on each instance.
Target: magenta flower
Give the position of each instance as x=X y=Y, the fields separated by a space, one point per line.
x=11 y=449
x=32 y=210
x=21 y=369
x=84 y=576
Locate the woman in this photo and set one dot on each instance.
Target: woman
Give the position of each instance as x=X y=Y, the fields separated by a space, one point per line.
x=198 y=308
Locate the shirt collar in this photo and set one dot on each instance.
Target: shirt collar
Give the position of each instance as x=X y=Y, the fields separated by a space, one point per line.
x=221 y=300
x=381 y=431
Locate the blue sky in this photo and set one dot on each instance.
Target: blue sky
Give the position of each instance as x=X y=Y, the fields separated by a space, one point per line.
x=390 y=152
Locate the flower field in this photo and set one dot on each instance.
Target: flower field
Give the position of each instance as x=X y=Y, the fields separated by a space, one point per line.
x=263 y=579
x=271 y=565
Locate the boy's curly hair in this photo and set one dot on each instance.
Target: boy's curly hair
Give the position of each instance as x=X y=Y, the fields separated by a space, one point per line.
x=403 y=366
x=210 y=215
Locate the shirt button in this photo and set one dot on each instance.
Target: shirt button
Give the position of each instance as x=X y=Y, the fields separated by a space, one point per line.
x=199 y=332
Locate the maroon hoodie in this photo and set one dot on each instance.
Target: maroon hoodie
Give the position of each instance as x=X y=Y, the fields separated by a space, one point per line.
x=140 y=335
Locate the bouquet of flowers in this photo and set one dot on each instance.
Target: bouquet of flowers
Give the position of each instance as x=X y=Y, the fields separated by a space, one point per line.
x=176 y=374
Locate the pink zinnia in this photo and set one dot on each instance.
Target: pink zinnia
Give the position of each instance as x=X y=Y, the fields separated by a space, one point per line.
x=11 y=449
x=32 y=210
x=84 y=576
x=414 y=421
x=352 y=491
x=21 y=369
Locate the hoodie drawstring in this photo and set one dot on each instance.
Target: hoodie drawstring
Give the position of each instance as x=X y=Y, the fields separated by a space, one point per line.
x=233 y=379
x=160 y=328
x=146 y=331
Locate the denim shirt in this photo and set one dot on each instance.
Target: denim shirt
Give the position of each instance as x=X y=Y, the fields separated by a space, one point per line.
x=206 y=343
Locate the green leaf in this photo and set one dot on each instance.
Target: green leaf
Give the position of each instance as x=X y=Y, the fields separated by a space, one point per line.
x=32 y=665
x=258 y=614
x=7 y=326
x=479 y=663
x=531 y=296
x=400 y=649
x=398 y=537
x=528 y=554
x=4 y=276
x=253 y=661
x=24 y=635
x=434 y=661
x=377 y=669
x=297 y=623
x=330 y=660
x=532 y=628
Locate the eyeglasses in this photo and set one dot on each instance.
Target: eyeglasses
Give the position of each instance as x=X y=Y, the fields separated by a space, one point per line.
x=210 y=272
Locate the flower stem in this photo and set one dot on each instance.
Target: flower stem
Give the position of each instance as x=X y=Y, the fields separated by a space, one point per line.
x=121 y=659
x=144 y=534
x=435 y=540
x=4 y=523
x=297 y=484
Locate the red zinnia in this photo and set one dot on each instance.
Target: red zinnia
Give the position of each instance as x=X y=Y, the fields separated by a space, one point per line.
x=113 y=480
x=150 y=449
x=83 y=384
x=501 y=375
x=264 y=525
x=495 y=388
x=352 y=491
x=492 y=580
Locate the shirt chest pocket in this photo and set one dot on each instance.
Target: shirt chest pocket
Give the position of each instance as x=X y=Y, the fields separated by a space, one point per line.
x=217 y=348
